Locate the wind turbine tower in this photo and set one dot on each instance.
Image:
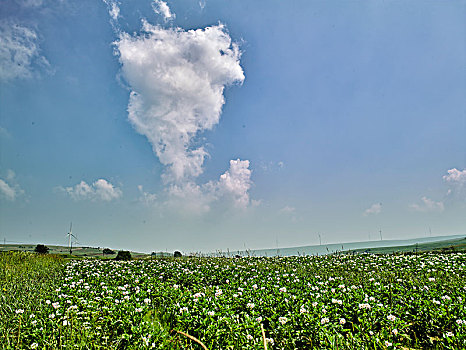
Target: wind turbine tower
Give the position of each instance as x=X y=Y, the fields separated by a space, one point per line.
x=70 y=242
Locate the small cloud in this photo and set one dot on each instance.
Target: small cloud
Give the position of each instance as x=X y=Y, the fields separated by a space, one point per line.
x=373 y=209
x=287 y=210
x=271 y=165
x=114 y=12
x=456 y=180
x=10 y=189
x=235 y=183
x=4 y=133
x=428 y=205
x=160 y=7
x=100 y=190
x=456 y=176
x=30 y=3
x=146 y=197
x=10 y=175
x=19 y=52
x=7 y=191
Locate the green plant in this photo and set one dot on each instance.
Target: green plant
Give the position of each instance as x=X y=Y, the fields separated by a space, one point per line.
x=41 y=249
x=123 y=255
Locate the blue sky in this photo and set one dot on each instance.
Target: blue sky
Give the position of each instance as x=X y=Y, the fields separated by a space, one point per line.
x=207 y=125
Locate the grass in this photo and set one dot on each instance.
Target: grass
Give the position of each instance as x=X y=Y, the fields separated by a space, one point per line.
x=25 y=280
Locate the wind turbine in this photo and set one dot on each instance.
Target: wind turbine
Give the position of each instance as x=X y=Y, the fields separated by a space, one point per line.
x=70 y=234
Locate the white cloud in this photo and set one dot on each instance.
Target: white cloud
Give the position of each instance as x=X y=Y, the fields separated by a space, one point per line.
x=10 y=175
x=7 y=191
x=189 y=198
x=162 y=8
x=230 y=190
x=4 y=133
x=456 y=180
x=373 y=209
x=146 y=197
x=287 y=210
x=428 y=205
x=30 y=3
x=10 y=189
x=234 y=184
x=177 y=79
x=100 y=190
x=267 y=166
x=19 y=51
x=455 y=176
x=113 y=9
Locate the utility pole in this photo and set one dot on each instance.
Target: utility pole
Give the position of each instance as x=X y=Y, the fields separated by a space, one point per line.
x=320 y=238
x=380 y=231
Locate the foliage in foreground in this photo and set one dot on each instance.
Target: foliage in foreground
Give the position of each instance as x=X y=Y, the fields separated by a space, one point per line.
x=331 y=302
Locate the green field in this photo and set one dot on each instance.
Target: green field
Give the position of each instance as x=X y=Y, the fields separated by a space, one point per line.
x=76 y=252
x=450 y=245
x=329 y=302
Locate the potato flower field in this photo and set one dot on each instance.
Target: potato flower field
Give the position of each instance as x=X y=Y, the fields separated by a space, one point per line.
x=324 y=302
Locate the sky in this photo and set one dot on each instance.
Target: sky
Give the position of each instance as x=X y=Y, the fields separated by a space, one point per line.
x=211 y=125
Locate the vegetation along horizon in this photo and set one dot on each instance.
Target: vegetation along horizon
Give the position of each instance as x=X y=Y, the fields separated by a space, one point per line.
x=398 y=301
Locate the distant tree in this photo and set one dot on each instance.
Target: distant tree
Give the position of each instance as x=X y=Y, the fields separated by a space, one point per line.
x=108 y=251
x=123 y=255
x=177 y=254
x=41 y=249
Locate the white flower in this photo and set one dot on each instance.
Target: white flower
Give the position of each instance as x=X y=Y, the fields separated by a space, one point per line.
x=449 y=334
x=259 y=319
x=282 y=320
x=391 y=317
x=302 y=310
x=324 y=320
x=249 y=337
x=65 y=322
x=282 y=289
x=342 y=321
x=211 y=313
x=139 y=309
x=218 y=293
x=34 y=345
x=395 y=331
x=19 y=311
x=250 y=305
x=387 y=343
x=147 y=301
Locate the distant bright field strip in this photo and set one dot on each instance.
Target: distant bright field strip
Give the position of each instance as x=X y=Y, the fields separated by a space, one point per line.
x=344 y=302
